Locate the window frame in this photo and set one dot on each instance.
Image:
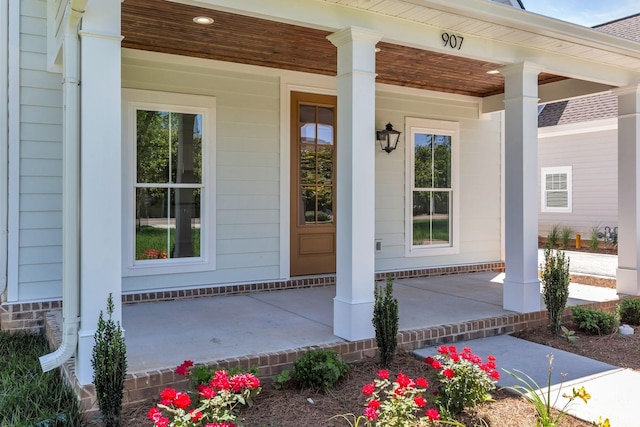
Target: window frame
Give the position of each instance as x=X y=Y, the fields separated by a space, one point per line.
x=440 y=127
x=568 y=171
x=138 y=99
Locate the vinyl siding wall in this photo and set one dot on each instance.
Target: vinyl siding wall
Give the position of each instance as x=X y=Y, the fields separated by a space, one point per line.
x=40 y=185
x=480 y=182
x=593 y=157
x=247 y=171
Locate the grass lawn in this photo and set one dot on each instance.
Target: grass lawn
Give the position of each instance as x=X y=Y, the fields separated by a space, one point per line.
x=422 y=232
x=155 y=238
x=29 y=397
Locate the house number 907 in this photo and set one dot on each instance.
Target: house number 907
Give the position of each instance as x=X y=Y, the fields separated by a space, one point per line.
x=453 y=41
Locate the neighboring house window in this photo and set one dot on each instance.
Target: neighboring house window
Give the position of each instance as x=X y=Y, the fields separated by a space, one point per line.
x=169 y=189
x=432 y=198
x=556 y=189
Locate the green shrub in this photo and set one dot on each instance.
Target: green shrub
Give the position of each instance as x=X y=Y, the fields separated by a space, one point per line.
x=385 y=322
x=109 y=364
x=566 y=236
x=595 y=238
x=629 y=311
x=319 y=369
x=594 y=322
x=555 y=279
x=553 y=236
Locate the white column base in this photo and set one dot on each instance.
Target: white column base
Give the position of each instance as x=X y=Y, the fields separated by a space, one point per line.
x=353 y=321
x=627 y=281
x=521 y=297
x=84 y=370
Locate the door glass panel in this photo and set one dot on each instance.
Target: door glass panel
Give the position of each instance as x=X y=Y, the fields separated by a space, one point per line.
x=307 y=205
x=325 y=164
x=308 y=124
x=325 y=205
x=325 y=125
x=307 y=164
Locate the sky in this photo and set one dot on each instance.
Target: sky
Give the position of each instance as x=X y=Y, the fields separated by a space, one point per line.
x=584 y=12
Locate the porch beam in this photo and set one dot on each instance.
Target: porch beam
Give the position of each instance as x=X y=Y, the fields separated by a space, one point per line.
x=521 y=289
x=627 y=274
x=100 y=172
x=355 y=229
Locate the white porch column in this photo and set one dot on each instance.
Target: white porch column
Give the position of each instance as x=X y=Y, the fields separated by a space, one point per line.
x=100 y=171
x=628 y=281
x=521 y=290
x=355 y=257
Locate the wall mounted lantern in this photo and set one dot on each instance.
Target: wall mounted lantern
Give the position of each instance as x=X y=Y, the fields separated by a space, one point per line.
x=388 y=138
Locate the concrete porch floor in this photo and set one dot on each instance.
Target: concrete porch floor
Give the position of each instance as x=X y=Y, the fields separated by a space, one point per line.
x=161 y=335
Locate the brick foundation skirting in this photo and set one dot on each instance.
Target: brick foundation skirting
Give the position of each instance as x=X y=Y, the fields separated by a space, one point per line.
x=29 y=316
x=141 y=386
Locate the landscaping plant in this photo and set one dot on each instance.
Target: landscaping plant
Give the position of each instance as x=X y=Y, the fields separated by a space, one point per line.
x=629 y=311
x=543 y=405
x=319 y=369
x=566 y=236
x=465 y=379
x=553 y=236
x=385 y=322
x=595 y=238
x=555 y=280
x=594 y=322
x=216 y=405
x=397 y=403
x=109 y=362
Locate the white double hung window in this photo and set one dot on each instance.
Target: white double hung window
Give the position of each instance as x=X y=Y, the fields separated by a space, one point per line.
x=432 y=187
x=169 y=190
x=556 y=189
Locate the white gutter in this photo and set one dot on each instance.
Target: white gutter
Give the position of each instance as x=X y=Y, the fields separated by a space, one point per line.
x=70 y=189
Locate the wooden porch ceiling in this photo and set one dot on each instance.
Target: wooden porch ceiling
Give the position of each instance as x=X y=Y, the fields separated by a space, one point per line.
x=168 y=27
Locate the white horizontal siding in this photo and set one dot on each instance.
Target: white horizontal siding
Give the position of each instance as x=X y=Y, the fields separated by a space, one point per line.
x=40 y=240
x=593 y=158
x=480 y=183
x=247 y=169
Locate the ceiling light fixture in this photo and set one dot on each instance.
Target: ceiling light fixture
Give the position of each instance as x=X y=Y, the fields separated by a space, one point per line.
x=493 y=72
x=203 y=20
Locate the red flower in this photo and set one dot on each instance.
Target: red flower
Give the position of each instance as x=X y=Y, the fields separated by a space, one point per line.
x=428 y=360
x=453 y=349
x=419 y=401
x=206 y=392
x=220 y=380
x=448 y=373
x=182 y=400
x=466 y=350
x=195 y=415
x=443 y=349
x=368 y=389
x=184 y=368
x=370 y=413
x=421 y=382
x=436 y=364
x=455 y=357
x=399 y=391
x=491 y=358
x=240 y=381
x=433 y=414
x=374 y=404
x=404 y=380
x=167 y=396
x=154 y=413
x=494 y=374
x=383 y=374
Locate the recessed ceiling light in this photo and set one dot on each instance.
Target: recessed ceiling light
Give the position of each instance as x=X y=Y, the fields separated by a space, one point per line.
x=493 y=72
x=203 y=20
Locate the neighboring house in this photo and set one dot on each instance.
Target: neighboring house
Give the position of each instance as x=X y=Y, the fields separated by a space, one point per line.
x=578 y=156
x=156 y=148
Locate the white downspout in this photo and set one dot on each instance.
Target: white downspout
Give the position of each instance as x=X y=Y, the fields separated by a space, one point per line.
x=70 y=190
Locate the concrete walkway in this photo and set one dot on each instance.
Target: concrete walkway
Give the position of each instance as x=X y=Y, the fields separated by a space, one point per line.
x=613 y=390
